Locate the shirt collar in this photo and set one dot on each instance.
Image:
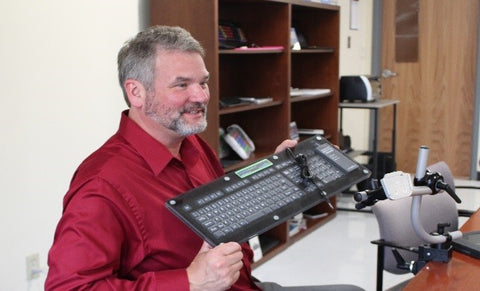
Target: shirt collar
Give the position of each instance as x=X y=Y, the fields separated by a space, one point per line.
x=155 y=154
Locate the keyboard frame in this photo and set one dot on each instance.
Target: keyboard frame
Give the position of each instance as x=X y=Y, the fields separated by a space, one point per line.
x=181 y=206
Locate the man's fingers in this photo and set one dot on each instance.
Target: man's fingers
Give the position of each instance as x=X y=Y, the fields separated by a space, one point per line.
x=229 y=248
x=288 y=143
x=232 y=251
x=205 y=247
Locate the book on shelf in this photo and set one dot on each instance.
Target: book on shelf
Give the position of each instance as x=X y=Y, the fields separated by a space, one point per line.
x=331 y=2
x=254 y=243
x=314 y=214
x=256 y=100
x=227 y=102
x=296 y=92
x=295 y=224
x=311 y=131
x=294 y=131
x=259 y=48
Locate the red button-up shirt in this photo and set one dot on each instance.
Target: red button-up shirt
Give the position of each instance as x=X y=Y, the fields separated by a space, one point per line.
x=115 y=232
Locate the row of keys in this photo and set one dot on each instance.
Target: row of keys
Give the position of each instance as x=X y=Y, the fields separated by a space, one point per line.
x=247 y=205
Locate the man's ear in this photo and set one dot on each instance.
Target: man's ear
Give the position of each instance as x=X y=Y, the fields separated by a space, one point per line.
x=136 y=92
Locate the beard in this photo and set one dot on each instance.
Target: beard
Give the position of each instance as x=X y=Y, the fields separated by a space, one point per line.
x=173 y=118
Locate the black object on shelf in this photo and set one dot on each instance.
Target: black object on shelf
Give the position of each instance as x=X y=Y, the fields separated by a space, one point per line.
x=267 y=243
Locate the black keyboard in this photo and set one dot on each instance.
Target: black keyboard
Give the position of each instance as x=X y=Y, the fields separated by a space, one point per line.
x=247 y=202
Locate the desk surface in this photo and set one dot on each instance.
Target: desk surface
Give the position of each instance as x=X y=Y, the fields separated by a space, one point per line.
x=369 y=105
x=461 y=273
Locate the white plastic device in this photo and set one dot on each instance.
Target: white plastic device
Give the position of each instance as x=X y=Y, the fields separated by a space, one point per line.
x=397 y=185
x=239 y=141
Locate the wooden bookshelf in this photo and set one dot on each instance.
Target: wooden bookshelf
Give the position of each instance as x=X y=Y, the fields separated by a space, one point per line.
x=266 y=73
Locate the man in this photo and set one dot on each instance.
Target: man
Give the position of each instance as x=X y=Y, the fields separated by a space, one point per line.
x=115 y=232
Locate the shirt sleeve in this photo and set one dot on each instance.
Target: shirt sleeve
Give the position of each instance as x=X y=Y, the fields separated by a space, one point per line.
x=97 y=246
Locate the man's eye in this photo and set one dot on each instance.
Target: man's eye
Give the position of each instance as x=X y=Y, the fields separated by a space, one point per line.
x=204 y=84
x=182 y=85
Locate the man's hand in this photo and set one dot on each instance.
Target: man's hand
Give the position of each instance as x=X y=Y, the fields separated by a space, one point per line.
x=288 y=143
x=215 y=268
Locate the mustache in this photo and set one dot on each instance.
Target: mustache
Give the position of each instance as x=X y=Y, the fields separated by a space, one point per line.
x=196 y=106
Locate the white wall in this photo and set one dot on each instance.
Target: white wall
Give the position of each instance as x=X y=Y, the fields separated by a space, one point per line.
x=60 y=100
x=356 y=60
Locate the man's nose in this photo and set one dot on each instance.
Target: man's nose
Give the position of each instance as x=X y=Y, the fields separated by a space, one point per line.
x=200 y=93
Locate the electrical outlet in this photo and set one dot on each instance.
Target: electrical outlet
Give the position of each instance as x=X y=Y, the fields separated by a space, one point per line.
x=33 y=266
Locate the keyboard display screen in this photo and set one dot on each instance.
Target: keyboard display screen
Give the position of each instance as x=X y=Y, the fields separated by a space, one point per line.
x=253 y=168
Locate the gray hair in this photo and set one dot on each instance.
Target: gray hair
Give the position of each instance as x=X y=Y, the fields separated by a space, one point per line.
x=136 y=59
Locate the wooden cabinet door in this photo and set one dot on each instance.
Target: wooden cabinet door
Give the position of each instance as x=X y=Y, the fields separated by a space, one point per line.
x=437 y=89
